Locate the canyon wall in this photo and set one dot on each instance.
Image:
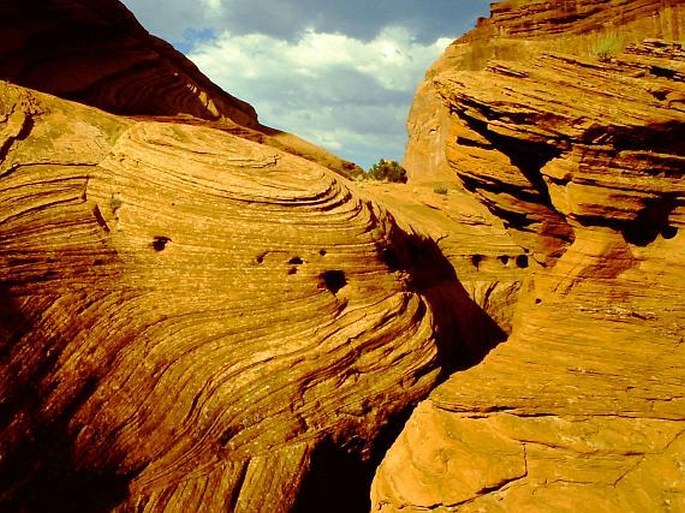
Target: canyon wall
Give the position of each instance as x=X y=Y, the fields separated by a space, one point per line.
x=95 y=52
x=249 y=330
x=192 y=315
x=183 y=335
x=565 y=120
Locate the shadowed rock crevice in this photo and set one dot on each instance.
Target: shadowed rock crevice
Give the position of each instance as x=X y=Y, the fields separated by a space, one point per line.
x=661 y=138
x=464 y=332
x=527 y=158
x=464 y=335
x=651 y=222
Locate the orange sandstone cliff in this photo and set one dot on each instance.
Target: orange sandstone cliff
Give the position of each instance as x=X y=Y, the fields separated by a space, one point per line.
x=565 y=121
x=192 y=316
x=199 y=313
x=96 y=52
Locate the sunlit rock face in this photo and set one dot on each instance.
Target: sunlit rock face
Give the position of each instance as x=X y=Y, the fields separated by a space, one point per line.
x=95 y=52
x=187 y=315
x=579 y=154
x=197 y=312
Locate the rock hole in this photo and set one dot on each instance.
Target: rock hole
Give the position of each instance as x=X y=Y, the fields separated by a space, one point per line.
x=260 y=258
x=538 y=300
x=477 y=259
x=651 y=221
x=333 y=280
x=322 y=252
x=292 y=270
x=159 y=242
x=658 y=71
x=660 y=95
x=504 y=259
x=227 y=435
x=669 y=232
x=390 y=258
x=522 y=261
x=296 y=261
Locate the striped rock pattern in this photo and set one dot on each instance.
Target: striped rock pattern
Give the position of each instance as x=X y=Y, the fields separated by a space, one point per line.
x=97 y=53
x=187 y=315
x=581 y=158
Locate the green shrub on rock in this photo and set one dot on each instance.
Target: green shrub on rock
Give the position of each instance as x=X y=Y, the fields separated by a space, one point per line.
x=387 y=170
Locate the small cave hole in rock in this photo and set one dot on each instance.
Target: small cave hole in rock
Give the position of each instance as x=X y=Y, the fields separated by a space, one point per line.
x=260 y=258
x=651 y=221
x=333 y=280
x=292 y=270
x=477 y=259
x=323 y=252
x=538 y=300
x=660 y=95
x=658 y=71
x=159 y=242
x=390 y=258
x=504 y=259
x=296 y=261
x=522 y=261
x=227 y=435
x=669 y=232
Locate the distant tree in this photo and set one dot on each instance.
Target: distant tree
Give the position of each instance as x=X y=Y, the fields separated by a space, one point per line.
x=388 y=170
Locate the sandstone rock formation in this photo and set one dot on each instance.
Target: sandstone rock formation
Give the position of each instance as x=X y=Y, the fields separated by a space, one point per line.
x=95 y=52
x=581 y=157
x=183 y=335
x=191 y=314
x=196 y=315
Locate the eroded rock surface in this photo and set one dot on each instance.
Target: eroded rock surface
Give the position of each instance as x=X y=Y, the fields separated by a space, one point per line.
x=194 y=316
x=582 y=160
x=187 y=315
x=95 y=52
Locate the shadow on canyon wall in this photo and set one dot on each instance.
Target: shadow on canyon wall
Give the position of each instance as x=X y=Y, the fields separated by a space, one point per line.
x=339 y=480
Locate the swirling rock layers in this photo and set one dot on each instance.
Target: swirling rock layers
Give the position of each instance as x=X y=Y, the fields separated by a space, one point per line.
x=97 y=53
x=187 y=315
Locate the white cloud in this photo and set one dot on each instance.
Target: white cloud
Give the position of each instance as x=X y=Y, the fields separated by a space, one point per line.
x=212 y=6
x=345 y=94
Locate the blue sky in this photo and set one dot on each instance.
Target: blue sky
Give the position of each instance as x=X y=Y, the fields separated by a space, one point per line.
x=340 y=74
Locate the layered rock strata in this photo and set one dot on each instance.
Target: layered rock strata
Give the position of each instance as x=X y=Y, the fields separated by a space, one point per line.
x=176 y=335
x=581 y=157
x=95 y=52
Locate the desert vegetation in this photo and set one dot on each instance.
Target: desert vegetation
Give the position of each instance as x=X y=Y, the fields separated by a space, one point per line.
x=386 y=171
